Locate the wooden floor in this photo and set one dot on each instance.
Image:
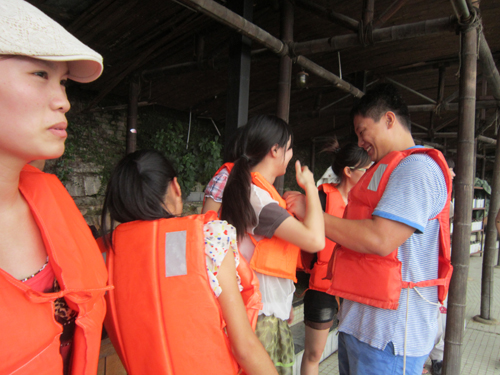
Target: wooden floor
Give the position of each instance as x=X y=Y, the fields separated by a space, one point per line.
x=109 y=362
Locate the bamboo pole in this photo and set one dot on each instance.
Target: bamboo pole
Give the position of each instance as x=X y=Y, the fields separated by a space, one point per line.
x=329 y=76
x=440 y=96
x=490 y=70
x=436 y=135
x=396 y=83
x=483 y=164
x=330 y=15
x=463 y=196
x=445 y=124
x=231 y=19
x=389 y=12
x=484 y=139
x=285 y=75
x=451 y=107
x=488 y=276
x=488 y=123
x=162 y=42
x=400 y=32
x=134 y=91
x=224 y=16
x=239 y=65
x=285 y=70
x=368 y=12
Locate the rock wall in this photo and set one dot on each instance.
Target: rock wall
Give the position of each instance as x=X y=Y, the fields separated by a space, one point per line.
x=96 y=142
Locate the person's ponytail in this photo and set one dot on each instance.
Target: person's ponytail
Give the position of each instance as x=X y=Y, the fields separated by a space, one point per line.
x=236 y=206
x=255 y=141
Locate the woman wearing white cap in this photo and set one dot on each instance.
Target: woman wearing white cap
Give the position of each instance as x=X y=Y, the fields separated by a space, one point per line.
x=52 y=277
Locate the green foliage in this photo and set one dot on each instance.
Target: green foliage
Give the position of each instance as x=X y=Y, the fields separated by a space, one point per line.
x=88 y=144
x=195 y=161
x=484 y=184
x=62 y=164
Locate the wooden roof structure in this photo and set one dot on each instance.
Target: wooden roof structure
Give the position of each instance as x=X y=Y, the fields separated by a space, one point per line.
x=181 y=56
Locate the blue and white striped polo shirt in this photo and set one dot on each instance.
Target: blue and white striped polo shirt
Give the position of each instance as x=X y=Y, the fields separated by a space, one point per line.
x=415 y=193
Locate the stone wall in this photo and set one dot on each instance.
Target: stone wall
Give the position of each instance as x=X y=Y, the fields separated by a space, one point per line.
x=96 y=141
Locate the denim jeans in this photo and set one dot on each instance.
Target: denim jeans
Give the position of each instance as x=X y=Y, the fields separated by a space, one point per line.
x=359 y=358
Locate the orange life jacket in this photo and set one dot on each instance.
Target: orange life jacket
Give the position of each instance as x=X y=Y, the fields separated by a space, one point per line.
x=163 y=317
x=374 y=280
x=282 y=261
x=228 y=166
x=29 y=333
x=273 y=256
x=335 y=206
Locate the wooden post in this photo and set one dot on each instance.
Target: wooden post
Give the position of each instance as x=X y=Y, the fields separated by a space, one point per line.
x=483 y=169
x=463 y=198
x=134 y=90
x=285 y=74
x=488 y=276
x=474 y=164
x=238 y=91
x=440 y=96
x=285 y=70
x=368 y=12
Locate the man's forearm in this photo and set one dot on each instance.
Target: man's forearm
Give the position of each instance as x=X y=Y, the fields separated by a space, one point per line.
x=369 y=236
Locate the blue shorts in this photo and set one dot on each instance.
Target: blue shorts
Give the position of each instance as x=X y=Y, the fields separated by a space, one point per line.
x=359 y=358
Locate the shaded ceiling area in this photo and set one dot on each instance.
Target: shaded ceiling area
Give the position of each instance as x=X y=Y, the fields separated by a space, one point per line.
x=136 y=37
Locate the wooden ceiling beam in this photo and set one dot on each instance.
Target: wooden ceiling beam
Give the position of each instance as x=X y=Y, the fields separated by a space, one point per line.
x=411 y=90
x=329 y=14
x=389 y=12
x=388 y=34
x=133 y=66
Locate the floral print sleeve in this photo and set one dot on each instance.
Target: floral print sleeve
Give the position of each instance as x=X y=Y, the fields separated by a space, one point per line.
x=220 y=237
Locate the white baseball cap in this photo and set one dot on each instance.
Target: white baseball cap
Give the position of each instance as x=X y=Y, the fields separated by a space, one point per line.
x=27 y=31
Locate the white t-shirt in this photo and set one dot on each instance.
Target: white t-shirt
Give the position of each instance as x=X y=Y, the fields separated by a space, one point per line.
x=277 y=293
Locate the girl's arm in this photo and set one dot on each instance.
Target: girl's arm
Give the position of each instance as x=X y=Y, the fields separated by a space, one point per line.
x=309 y=234
x=247 y=349
x=210 y=205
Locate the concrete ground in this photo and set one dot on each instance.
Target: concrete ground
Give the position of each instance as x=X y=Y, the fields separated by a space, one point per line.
x=481 y=346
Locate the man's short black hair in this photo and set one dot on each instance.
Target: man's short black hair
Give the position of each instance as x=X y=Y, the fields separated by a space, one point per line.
x=450 y=161
x=382 y=98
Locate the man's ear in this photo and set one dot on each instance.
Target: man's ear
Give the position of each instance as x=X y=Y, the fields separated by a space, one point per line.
x=391 y=119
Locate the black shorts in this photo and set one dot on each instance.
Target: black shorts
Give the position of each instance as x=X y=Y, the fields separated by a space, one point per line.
x=319 y=309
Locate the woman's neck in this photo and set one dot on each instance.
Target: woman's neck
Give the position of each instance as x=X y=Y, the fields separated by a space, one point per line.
x=9 y=185
x=344 y=187
x=266 y=170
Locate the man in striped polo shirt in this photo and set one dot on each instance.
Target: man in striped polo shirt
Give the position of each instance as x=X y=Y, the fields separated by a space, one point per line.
x=376 y=340
x=372 y=339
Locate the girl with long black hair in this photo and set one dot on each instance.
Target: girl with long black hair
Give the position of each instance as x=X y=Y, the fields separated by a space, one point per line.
x=177 y=306
x=269 y=237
